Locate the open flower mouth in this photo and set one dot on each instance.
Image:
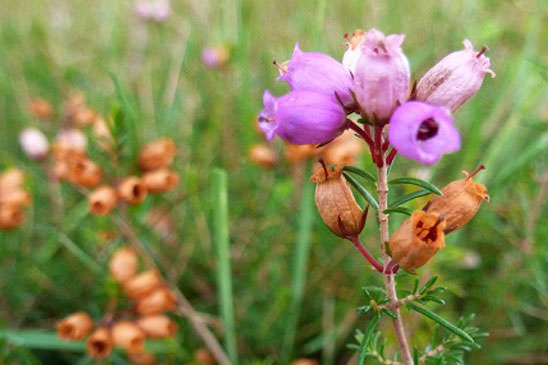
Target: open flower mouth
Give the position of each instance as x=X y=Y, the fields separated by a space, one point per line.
x=428 y=129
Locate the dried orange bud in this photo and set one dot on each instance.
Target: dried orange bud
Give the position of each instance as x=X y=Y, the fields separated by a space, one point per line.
x=99 y=344
x=157 y=154
x=343 y=150
x=160 y=180
x=102 y=200
x=11 y=179
x=68 y=144
x=305 y=361
x=417 y=240
x=11 y=216
x=17 y=197
x=40 y=108
x=129 y=336
x=160 y=300
x=157 y=326
x=60 y=170
x=297 y=153
x=263 y=155
x=123 y=264
x=83 y=117
x=459 y=203
x=142 y=284
x=75 y=327
x=84 y=172
x=203 y=356
x=132 y=190
x=336 y=203
x=142 y=358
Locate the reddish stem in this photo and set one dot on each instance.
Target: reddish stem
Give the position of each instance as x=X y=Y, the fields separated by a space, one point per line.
x=378 y=148
x=391 y=156
x=356 y=242
x=366 y=136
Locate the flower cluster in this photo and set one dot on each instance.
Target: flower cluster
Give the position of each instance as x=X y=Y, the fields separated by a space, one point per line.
x=13 y=197
x=127 y=329
x=374 y=81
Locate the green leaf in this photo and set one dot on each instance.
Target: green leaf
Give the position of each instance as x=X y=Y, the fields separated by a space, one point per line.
x=389 y=313
x=415 y=285
x=367 y=339
x=431 y=298
x=408 y=197
x=417 y=182
x=428 y=285
x=363 y=191
x=443 y=322
x=360 y=172
x=401 y=210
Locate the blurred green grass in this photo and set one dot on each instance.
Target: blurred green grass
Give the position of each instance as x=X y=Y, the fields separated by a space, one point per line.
x=48 y=48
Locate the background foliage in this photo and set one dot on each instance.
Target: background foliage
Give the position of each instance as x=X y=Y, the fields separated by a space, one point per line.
x=496 y=268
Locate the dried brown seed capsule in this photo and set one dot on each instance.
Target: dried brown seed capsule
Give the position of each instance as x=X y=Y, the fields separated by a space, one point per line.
x=41 y=109
x=417 y=240
x=84 y=172
x=102 y=200
x=297 y=153
x=160 y=180
x=17 y=197
x=132 y=190
x=11 y=216
x=160 y=300
x=99 y=344
x=129 y=336
x=75 y=327
x=343 y=150
x=203 y=356
x=142 y=284
x=157 y=154
x=142 y=358
x=157 y=326
x=123 y=264
x=336 y=203
x=459 y=203
x=263 y=155
x=11 y=179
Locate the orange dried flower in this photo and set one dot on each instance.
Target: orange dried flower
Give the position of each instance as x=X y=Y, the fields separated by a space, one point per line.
x=263 y=155
x=11 y=216
x=123 y=264
x=297 y=153
x=75 y=327
x=11 y=179
x=160 y=300
x=142 y=284
x=102 y=134
x=132 y=190
x=160 y=180
x=83 y=116
x=460 y=201
x=102 y=200
x=142 y=358
x=17 y=197
x=129 y=336
x=99 y=344
x=157 y=154
x=84 y=172
x=336 y=203
x=157 y=326
x=417 y=240
x=203 y=356
x=343 y=150
x=305 y=361
x=41 y=109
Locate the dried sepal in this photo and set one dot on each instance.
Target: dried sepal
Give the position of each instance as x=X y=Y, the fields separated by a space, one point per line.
x=160 y=180
x=142 y=284
x=129 y=336
x=157 y=154
x=75 y=327
x=99 y=344
x=157 y=326
x=102 y=200
x=123 y=264
x=132 y=190
x=160 y=300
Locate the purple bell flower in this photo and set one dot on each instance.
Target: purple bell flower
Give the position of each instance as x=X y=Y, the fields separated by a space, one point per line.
x=302 y=117
x=423 y=132
x=317 y=72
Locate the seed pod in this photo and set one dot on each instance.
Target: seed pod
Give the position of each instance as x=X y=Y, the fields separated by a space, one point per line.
x=417 y=240
x=157 y=154
x=41 y=109
x=123 y=264
x=132 y=190
x=295 y=153
x=160 y=180
x=335 y=202
x=157 y=326
x=142 y=358
x=142 y=284
x=204 y=357
x=17 y=197
x=460 y=201
x=129 y=336
x=99 y=344
x=160 y=300
x=11 y=179
x=263 y=155
x=11 y=216
x=84 y=172
x=102 y=200
x=75 y=327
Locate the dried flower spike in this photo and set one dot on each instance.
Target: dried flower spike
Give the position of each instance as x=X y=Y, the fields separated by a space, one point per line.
x=99 y=344
x=157 y=326
x=460 y=201
x=336 y=203
x=102 y=200
x=142 y=284
x=160 y=300
x=132 y=190
x=157 y=154
x=160 y=180
x=123 y=264
x=75 y=327
x=129 y=336
x=263 y=155
x=417 y=240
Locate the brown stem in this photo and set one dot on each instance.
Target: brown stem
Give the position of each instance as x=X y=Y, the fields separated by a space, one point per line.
x=434 y=352
x=389 y=281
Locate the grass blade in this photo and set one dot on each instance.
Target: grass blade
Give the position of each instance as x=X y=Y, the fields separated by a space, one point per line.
x=363 y=191
x=407 y=197
x=417 y=182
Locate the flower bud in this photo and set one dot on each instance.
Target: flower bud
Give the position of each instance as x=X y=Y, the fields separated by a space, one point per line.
x=204 y=357
x=455 y=79
x=17 y=197
x=160 y=180
x=343 y=150
x=75 y=327
x=132 y=190
x=459 y=203
x=84 y=172
x=160 y=300
x=417 y=240
x=69 y=143
x=11 y=179
x=215 y=56
x=155 y=10
x=319 y=73
x=336 y=203
x=302 y=117
x=381 y=80
x=34 y=143
x=129 y=336
x=423 y=132
x=157 y=326
x=123 y=264
x=157 y=154
x=352 y=54
x=102 y=200
x=263 y=156
x=99 y=344
x=11 y=216
x=142 y=284
x=142 y=358
x=41 y=109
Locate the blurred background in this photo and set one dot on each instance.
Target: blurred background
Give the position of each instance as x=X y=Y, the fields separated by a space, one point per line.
x=197 y=76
